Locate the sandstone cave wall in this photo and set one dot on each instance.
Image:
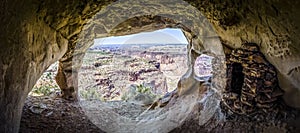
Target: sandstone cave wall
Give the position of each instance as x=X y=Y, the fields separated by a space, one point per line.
x=269 y=23
x=272 y=24
x=34 y=34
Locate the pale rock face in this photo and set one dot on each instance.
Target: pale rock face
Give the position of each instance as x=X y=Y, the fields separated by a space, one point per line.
x=35 y=34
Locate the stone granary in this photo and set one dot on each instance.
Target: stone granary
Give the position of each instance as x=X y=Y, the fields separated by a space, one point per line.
x=35 y=34
x=251 y=82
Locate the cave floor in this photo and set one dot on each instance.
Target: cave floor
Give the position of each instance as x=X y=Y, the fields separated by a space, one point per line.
x=45 y=114
x=55 y=115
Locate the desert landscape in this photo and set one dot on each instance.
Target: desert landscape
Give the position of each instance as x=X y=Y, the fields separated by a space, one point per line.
x=121 y=72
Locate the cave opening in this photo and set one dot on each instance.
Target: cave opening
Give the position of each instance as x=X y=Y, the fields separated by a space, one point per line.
x=237 y=78
x=138 y=68
x=203 y=68
x=46 y=84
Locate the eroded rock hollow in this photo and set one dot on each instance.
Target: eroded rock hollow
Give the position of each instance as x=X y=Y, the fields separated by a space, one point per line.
x=35 y=34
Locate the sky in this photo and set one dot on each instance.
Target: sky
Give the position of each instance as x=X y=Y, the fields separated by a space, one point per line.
x=163 y=36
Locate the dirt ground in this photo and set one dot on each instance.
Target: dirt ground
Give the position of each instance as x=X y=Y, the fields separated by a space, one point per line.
x=45 y=114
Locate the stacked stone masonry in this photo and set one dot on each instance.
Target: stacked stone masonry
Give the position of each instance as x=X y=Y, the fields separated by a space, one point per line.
x=252 y=83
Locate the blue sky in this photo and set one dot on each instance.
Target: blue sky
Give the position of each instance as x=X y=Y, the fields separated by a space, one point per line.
x=163 y=36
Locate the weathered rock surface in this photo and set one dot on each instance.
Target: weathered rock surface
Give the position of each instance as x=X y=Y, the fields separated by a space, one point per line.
x=35 y=34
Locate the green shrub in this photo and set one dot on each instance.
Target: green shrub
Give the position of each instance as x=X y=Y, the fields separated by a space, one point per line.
x=44 y=90
x=136 y=90
x=143 y=89
x=45 y=85
x=90 y=94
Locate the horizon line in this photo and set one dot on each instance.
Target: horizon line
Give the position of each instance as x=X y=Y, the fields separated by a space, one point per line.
x=143 y=44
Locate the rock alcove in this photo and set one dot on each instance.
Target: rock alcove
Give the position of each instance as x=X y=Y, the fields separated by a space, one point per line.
x=35 y=34
x=153 y=119
x=252 y=83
